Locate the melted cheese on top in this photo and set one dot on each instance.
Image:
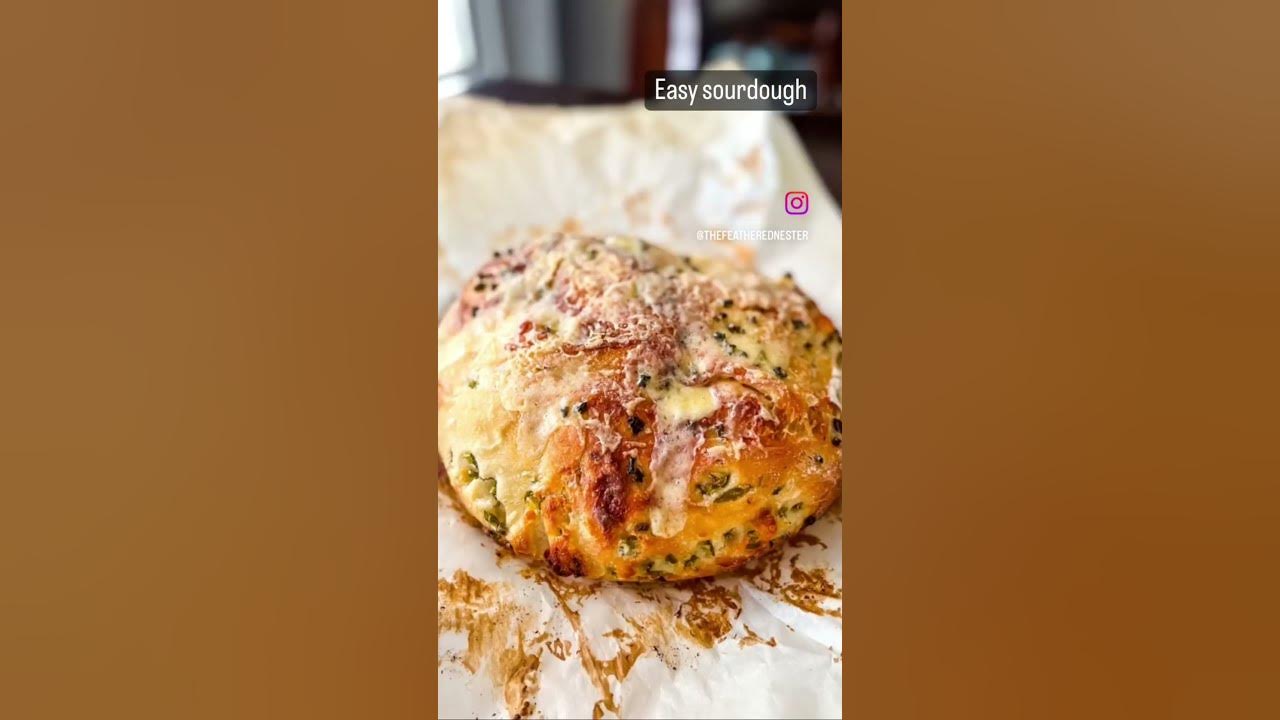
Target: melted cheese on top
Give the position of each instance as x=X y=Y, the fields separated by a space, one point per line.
x=684 y=404
x=518 y=357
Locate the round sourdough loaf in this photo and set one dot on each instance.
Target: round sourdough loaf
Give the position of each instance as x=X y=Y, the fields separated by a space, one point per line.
x=627 y=413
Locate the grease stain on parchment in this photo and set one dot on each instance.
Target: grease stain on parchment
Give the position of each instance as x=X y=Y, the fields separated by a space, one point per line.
x=559 y=647
x=700 y=611
x=750 y=637
x=810 y=590
x=649 y=632
x=708 y=615
x=492 y=622
x=807 y=540
x=636 y=206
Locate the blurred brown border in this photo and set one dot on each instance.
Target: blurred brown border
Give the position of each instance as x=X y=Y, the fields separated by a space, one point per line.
x=216 y=464
x=1063 y=492
x=432 y=46
x=215 y=433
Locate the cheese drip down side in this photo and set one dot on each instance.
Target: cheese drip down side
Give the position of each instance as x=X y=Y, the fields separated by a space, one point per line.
x=674 y=451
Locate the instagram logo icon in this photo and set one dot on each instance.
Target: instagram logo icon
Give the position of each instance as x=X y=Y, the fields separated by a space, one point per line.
x=797 y=203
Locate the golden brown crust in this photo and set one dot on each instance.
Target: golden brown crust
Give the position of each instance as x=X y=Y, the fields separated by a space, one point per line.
x=626 y=413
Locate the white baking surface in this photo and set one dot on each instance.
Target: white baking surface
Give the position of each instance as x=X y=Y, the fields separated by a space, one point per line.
x=509 y=172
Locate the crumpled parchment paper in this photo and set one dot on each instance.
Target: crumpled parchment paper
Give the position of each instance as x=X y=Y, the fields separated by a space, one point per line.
x=515 y=640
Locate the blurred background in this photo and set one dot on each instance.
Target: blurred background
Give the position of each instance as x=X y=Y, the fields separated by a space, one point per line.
x=573 y=52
